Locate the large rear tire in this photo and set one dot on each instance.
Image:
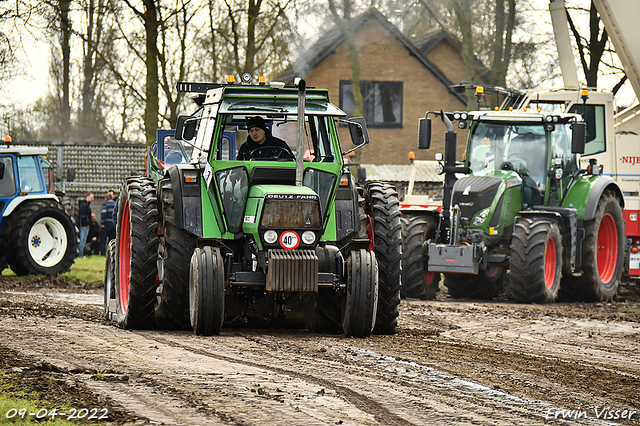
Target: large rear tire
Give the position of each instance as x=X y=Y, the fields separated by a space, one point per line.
x=602 y=254
x=136 y=252
x=417 y=281
x=361 y=298
x=42 y=239
x=175 y=249
x=535 y=261
x=384 y=209
x=206 y=291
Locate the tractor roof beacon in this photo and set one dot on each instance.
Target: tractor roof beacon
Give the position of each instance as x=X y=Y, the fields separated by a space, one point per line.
x=524 y=212
x=37 y=236
x=270 y=241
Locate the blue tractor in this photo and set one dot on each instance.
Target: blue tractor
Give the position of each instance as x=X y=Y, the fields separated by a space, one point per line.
x=37 y=236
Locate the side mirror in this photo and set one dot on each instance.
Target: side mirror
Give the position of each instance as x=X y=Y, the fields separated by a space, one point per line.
x=424 y=133
x=578 y=137
x=71 y=175
x=358 y=131
x=185 y=127
x=1 y=170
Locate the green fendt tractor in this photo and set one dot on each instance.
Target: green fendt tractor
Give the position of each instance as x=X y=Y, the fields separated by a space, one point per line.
x=524 y=214
x=268 y=241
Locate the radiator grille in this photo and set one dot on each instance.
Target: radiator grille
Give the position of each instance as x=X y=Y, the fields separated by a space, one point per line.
x=292 y=270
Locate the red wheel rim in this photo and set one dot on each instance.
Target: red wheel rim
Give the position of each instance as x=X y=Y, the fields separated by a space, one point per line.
x=370 y=233
x=607 y=248
x=550 y=263
x=428 y=277
x=124 y=260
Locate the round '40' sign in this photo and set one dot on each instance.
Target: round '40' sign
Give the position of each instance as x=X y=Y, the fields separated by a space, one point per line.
x=289 y=240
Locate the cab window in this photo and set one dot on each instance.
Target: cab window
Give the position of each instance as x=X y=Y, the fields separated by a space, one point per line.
x=29 y=174
x=7 y=184
x=594 y=117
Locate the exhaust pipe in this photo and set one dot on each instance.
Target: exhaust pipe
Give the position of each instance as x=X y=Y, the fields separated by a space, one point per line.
x=302 y=88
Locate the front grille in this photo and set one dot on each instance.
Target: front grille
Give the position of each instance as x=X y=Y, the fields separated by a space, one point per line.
x=291 y=211
x=292 y=270
x=480 y=192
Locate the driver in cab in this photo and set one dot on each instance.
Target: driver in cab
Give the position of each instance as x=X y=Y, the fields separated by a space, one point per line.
x=261 y=144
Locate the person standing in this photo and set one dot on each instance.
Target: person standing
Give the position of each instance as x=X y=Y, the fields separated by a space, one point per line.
x=84 y=220
x=107 y=224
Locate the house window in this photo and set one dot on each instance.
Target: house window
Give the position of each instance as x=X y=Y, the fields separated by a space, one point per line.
x=381 y=102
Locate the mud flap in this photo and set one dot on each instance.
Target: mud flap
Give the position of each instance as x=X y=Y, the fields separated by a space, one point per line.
x=464 y=259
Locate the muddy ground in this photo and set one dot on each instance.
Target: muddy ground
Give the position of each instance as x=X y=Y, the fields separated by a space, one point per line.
x=451 y=362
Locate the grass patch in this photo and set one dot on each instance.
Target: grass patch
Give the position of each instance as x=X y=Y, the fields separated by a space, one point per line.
x=629 y=309
x=88 y=269
x=18 y=406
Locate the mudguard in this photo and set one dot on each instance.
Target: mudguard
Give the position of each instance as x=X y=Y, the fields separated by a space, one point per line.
x=187 y=199
x=603 y=183
x=595 y=186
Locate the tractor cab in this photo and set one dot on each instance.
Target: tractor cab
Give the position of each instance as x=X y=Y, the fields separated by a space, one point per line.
x=533 y=150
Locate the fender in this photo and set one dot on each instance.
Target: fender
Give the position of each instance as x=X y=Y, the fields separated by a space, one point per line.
x=187 y=200
x=601 y=184
x=591 y=189
x=22 y=198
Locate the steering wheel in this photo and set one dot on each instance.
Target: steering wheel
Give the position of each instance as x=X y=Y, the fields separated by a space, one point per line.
x=279 y=155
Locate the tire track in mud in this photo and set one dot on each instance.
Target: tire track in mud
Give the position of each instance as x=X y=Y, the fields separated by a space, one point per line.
x=364 y=403
x=414 y=393
x=436 y=370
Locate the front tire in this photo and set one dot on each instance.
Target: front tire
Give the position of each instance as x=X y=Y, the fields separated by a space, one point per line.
x=417 y=281
x=206 y=291
x=361 y=298
x=384 y=208
x=42 y=239
x=136 y=252
x=602 y=254
x=535 y=261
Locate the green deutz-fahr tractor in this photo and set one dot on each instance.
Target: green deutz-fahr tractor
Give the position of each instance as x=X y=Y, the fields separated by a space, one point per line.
x=270 y=241
x=524 y=214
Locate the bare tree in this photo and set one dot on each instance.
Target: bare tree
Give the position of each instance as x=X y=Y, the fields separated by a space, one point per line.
x=251 y=36
x=346 y=27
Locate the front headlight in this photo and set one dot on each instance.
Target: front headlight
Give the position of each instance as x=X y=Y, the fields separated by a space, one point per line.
x=308 y=237
x=559 y=173
x=270 y=236
x=481 y=217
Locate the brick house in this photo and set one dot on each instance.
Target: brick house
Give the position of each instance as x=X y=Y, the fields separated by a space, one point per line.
x=401 y=79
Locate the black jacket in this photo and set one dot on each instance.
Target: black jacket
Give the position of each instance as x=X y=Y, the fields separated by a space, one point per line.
x=250 y=146
x=84 y=213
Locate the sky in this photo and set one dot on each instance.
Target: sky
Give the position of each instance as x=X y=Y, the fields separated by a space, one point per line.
x=33 y=80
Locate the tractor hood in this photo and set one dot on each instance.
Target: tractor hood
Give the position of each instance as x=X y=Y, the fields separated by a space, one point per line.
x=481 y=199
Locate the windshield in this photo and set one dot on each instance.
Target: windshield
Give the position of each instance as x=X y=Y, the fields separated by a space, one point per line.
x=281 y=135
x=29 y=174
x=524 y=146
